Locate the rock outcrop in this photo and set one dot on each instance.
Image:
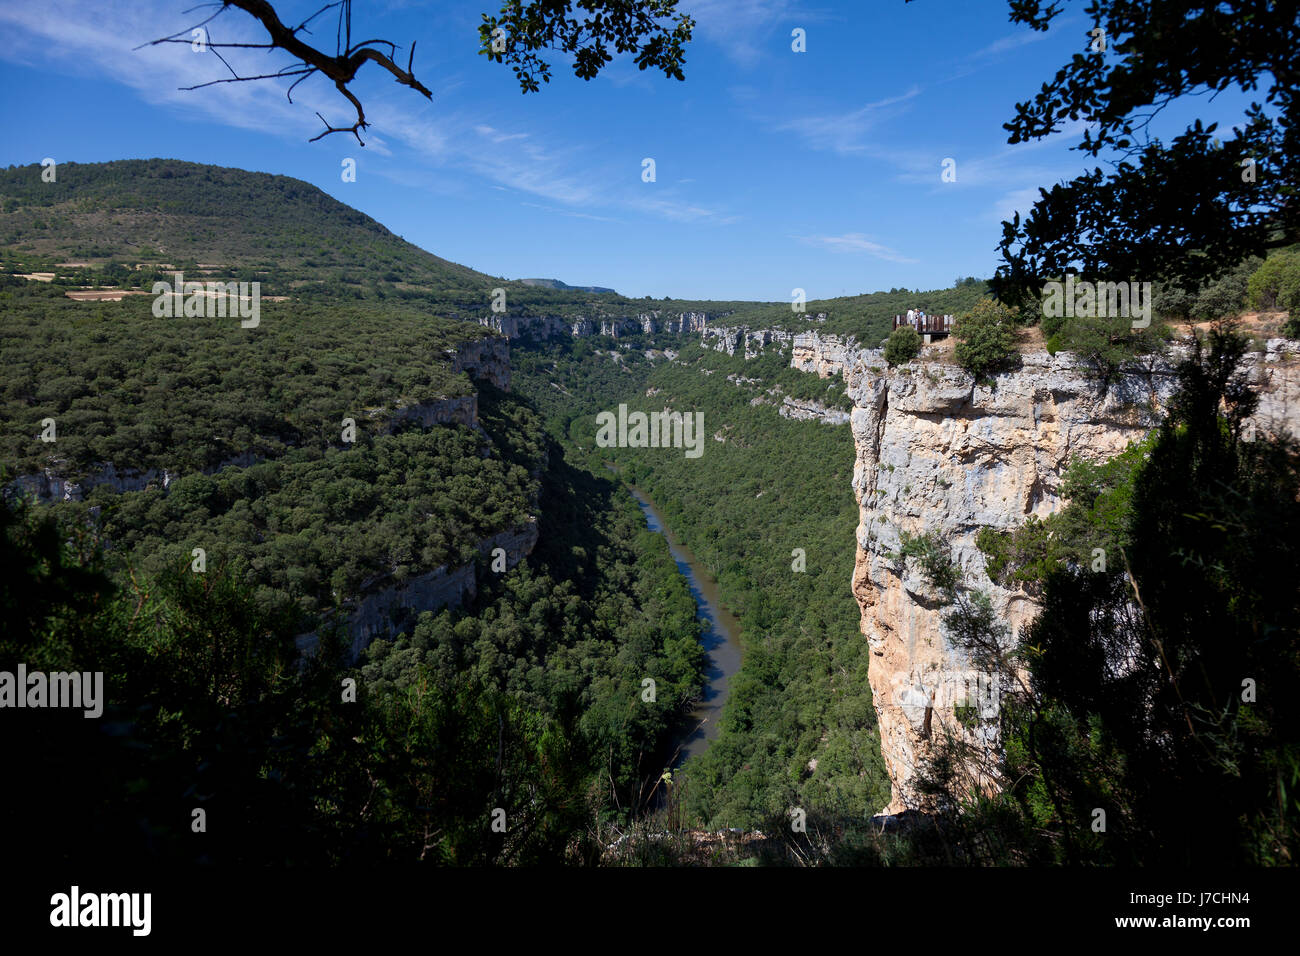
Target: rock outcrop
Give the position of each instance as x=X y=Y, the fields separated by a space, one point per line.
x=387 y=608
x=804 y=410
x=757 y=340
x=458 y=410
x=685 y=323
x=721 y=339
x=824 y=355
x=486 y=359
x=507 y=325
x=51 y=484
x=937 y=454
x=543 y=327
x=750 y=342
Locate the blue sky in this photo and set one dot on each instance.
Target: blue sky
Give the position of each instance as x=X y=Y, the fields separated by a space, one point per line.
x=774 y=169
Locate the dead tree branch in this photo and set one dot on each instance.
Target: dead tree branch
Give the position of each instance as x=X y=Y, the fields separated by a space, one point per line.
x=341 y=66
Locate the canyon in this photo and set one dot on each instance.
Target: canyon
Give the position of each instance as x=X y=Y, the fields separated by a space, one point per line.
x=938 y=454
x=935 y=454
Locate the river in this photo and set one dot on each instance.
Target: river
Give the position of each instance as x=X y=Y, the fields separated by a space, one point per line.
x=720 y=637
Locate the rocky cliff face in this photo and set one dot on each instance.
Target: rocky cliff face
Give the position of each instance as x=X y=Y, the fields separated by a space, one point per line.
x=52 y=484
x=938 y=454
x=823 y=355
x=683 y=323
x=458 y=410
x=387 y=607
x=486 y=360
x=805 y=410
x=749 y=342
x=552 y=327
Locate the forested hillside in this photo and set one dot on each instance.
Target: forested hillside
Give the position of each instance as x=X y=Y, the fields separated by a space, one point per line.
x=525 y=704
x=328 y=453
x=160 y=211
x=126 y=224
x=140 y=392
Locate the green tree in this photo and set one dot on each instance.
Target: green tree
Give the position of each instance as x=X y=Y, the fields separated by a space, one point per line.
x=1101 y=341
x=986 y=338
x=1225 y=298
x=903 y=345
x=650 y=29
x=1275 y=285
x=1182 y=210
x=1171 y=302
x=1106 y=342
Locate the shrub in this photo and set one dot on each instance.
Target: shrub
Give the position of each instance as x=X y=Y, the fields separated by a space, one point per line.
x=903 y=345
x=1098 y=340
x=986 y=339
x=1226 y=297
x=935 y=558
x=1275 y=286
x=1105 y=343
x=1052 y=325
x=995 y=546
x=1223 y=299
x=1173 y=302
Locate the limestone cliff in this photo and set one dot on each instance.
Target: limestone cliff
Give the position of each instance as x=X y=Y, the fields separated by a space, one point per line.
x=749 y=342
x=53 y=484
x=458 y=410
x=486 y=359
x=824 y=355
x=543 y=327
x=387 y=607
x=938 y=454
x=802 y=409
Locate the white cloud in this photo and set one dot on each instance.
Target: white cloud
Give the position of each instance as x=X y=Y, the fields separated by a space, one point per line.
x=1008 y=166
x=569 y=212
x=496 y=136
x=845 y=132
x=1013 y=41
x=856 y=242
x=98 y=40
x=738 y=26
x=677 y=210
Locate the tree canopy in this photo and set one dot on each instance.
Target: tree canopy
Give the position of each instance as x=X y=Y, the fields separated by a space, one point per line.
x=1183 y=210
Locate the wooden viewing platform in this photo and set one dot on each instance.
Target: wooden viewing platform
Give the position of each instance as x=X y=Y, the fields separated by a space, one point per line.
x=928 y=327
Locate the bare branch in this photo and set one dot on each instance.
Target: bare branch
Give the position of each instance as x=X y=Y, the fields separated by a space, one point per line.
x=341 y=67
x=245 y=79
